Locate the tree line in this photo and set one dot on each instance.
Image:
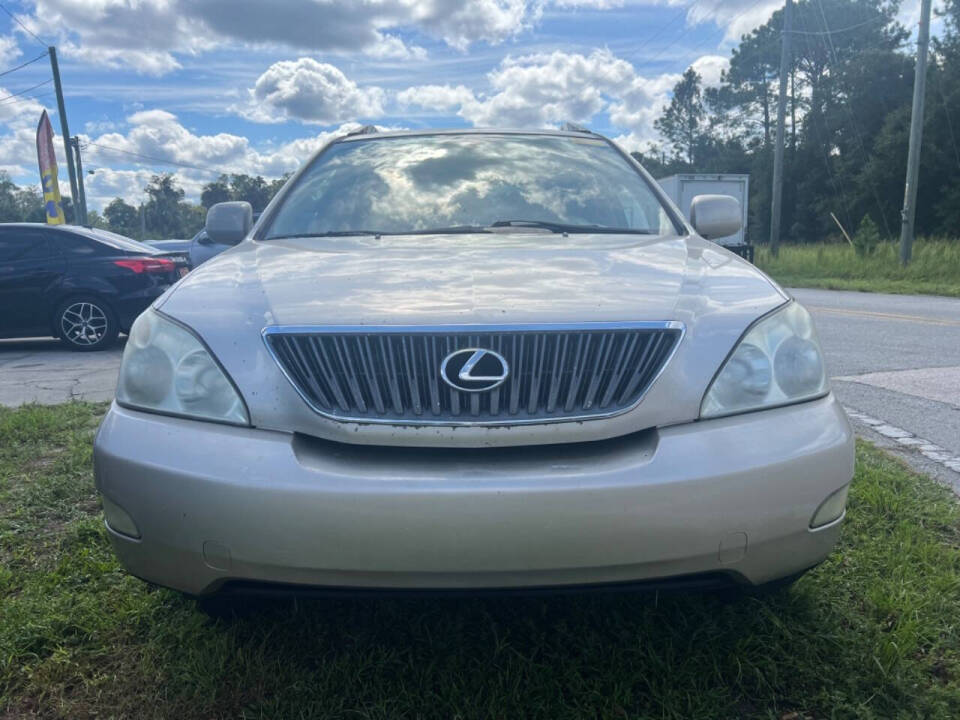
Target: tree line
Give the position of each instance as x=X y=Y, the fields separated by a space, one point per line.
x=849 y=99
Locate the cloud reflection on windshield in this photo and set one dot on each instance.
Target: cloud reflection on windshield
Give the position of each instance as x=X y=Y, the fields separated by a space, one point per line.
x=409 y=184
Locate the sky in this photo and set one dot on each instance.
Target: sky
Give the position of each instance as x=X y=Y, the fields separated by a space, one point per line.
x=200 y=87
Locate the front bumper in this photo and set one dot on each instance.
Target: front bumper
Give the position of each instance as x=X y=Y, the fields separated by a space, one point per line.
x=215 y=503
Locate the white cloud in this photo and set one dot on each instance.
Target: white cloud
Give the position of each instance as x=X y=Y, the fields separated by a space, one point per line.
x=8 y=50
x=545 y=89
x=590 y=4
x=540 y=89
x=148 y=62
x=310 y=91
x=436 y=97
x=113 y=33
x=391 y=47
x=100 y=126
x=711 y=69
x=641 y=106
x=149 y=36
x=462 y=23
x=737 y=17
x=158 y=133
x=18 y=144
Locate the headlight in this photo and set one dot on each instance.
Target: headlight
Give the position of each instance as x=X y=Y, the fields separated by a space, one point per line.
x=166 y=369
x=776 y=363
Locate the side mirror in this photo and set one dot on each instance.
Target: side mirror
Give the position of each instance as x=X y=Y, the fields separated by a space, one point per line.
x=716 y=216
x=204 y=238
x=229 y=222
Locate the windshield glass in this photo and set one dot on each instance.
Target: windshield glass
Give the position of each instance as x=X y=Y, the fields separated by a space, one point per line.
x=469 y=183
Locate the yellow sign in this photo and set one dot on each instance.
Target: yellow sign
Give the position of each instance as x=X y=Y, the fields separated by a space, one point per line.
x=48 y=172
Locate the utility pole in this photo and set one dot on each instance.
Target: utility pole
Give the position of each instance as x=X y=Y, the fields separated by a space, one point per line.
x=75 y=142
x=143 y=224
x=62 y=112
x=785 y=62
x=909 y=214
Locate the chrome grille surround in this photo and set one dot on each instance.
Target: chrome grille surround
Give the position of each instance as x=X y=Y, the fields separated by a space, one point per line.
x=362 y=373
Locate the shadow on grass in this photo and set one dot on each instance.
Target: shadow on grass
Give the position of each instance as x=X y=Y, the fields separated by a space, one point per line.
x=610 y=655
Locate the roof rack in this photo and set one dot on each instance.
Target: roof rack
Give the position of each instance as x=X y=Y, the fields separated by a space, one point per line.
x=568 y=126
x=365 y=130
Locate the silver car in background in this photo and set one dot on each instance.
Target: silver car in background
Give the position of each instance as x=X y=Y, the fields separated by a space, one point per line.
x=473 y=360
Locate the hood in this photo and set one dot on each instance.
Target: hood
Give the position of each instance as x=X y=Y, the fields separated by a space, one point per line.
x=472 y=279
x=467 y=279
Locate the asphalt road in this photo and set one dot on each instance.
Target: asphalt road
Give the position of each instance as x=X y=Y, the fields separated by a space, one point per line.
x=894 y=360
x=44 y=371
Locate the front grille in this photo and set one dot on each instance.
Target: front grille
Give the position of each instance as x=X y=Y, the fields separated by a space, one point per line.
x=392 y=374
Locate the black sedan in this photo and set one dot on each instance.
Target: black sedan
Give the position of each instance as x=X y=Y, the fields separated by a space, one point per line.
x=80 y=284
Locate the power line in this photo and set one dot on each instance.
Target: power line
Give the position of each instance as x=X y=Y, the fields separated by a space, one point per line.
x=874 y=19
x=25 y=28
x=32 y=87
x=29 y=97
x=23 y=65
x=703 y=42
x=154 y=159
x=670 y=23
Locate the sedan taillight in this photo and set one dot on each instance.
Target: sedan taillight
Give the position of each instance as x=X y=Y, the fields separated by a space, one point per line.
x=147 y=265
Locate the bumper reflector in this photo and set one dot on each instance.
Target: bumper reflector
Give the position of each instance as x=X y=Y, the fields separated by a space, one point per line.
x=831 y=508
x=118 y=519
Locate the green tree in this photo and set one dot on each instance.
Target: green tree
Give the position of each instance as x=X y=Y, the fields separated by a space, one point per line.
x=30 y=201
x=216 y=192
x=122 y=218
x=867 y=237
x=96 y=220
x=275 y=185
x=193 y=218
x=9 y=207
x=163 y=207
x=682 y=122
x=253 y=190
x=751 y=84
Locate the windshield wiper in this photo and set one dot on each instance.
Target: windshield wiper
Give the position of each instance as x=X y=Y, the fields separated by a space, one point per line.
x=465 y=229
x=329 y=233
x=452 y=230
x=568 y=228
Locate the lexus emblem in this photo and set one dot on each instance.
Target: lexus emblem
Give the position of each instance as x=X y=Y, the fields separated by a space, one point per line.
x=474 y=370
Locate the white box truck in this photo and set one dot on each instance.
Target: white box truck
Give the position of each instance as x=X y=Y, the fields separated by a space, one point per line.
x=683 y=188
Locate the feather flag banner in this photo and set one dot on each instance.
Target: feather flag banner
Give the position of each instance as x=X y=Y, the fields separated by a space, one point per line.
x=48 y=172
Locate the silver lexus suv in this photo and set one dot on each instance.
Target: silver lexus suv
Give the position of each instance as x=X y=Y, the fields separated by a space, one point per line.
x=473 y=360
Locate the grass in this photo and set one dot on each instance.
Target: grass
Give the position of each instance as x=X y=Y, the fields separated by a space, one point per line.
x=934 y=269
x=872 y=633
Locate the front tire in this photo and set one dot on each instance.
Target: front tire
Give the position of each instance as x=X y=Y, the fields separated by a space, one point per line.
x=85 y=324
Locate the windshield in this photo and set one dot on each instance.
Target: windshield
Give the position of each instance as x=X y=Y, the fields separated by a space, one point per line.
x=469 y=183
